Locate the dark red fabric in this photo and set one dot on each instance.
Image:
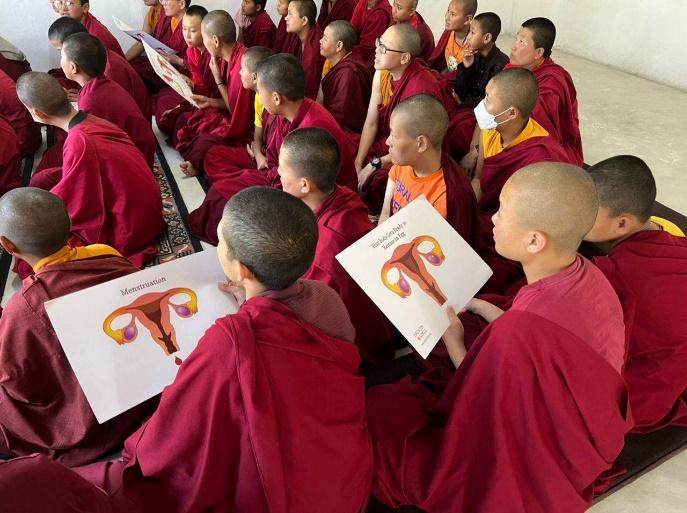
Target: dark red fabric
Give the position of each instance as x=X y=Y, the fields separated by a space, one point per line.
x=648 y=273
x=14 y=112
x=313 y=62
x=14 y=69
x=461 y=204
x=119 y=70
x=274 y=421
x=346 y=93
x=232 y=126
x=371 y=24
x=261 y=32
x=342 y=10
x=108 y=100
x=473 y=449
x=42 y=406
x=437 y=61
x=110 y=191
x=283 y=41
x=426 y=36
x=461 y=129
x=342 y=220
x=97 y=29
x=225 y=166
x=10 y=159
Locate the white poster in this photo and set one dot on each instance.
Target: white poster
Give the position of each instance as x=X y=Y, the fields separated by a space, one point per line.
x=143 y=36
x=167 y=72
x=126 y=338
x=413 y=266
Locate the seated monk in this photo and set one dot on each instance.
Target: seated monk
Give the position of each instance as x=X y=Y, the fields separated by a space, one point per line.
x=42 y=406
x=417 y=129
x=83 y=60
x=10 y=159
x=229 y=118
x=281 y=87
x=481 y=61
x=539 y=394
x=12 y=60
x=272 y=402
x=168 y=30
x=282 y=39
x=399 y=76
x=450 y=49
x=79 y=10
x=111 y=194
x=646 y=267
x=253 y=57
x=370 y=18
x=347 y=86
x=25 y=129
x=335 y=10
x=556 y=110
x=262 y=30
x=301 y=21
x=405 y=11
x=308 y=166
x=171 y=110
x=149 y=22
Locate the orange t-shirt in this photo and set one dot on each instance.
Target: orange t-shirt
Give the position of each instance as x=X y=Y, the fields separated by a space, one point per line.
x=454 y=52
x=409 y=186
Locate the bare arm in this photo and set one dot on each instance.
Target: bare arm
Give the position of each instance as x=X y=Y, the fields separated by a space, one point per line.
x=476 y=185
x=371 y=126
x=386 y=207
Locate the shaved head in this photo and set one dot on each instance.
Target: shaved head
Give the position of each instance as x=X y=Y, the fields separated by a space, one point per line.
x=423 y=114
x=313 y=153
x=34 y=220
x=306 y=9
x=254 y=56
x=557 y=199
x=345 y=32
x=404 y=37
x=44 y=93
x=543 y=33
x=64 y=27
x=516 y=87
x=87 y=52
x=220 y=24
x=469 y=7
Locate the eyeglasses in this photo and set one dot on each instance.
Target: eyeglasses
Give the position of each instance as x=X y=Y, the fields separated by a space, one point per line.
x=66 y=3
x=383 y=48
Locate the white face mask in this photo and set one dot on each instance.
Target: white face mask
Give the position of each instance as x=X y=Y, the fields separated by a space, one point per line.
x=485 y=120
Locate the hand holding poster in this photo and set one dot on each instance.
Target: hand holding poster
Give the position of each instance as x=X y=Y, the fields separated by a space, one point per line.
x=126 y=338
x=171 y=76
x=143 y=36
x=413 y=266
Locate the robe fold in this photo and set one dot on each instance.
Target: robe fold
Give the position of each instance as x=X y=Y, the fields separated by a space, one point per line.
x=261 y=32
x=341 y=10
x=42 y=406
x=14 y=69
x=309 y=55
x=174 y=39
x=230 y=126
x=426 y=36
x=110 y=191
x=342 y=220
x=97 y=29
x=461 y=204
x=647 y=271
x=19 y=118
x=346 y=93
x=108 y=100
x=472 y=449
x=371 y=24
x=274 y=421
x=119 y=70
x=282 y=39
x=10 y=159
x=437 y=61
x=225 y=166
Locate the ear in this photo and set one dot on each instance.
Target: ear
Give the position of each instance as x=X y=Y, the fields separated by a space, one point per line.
x=244 y=272
x=277 y=98
x=339 y=46
x=468 y=19
x=488 y=38
x=8 y=245
x=536 y=242
x=624 y=224
x=86 y=7
x=539 y=53
x=406 y=58
x=422 y=143
x=38 y=116
x=306 y=186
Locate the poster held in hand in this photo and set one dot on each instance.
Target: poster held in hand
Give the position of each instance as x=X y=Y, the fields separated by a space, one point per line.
x=126 y=338
x=171 y=76
x=413 y=266
x=143 y=36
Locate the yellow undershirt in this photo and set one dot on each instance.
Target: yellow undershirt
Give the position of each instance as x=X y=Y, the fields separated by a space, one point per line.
x=667 y=226
x=259 y=107
x=153 y=16
x=175 y=24
x=387 y=86
x=69 y=254
x=493 y=145
x=327 y=68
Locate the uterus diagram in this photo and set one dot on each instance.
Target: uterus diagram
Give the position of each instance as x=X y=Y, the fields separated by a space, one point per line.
x=408 y=260
x=153 y=312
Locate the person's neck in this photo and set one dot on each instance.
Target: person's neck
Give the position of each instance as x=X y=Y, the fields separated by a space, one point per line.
x=645 y=227
x=81 y=79
x=338 y=57
x=315 y=198
x=534 y=65
x=460 y=35
x=486 y=50
x=397 y=73
x=290 y=109
x=252 y=18
x=546 y=266
x=63 y=121
x=371 y=3
x=511 y=130
x=303 y=34
x=253 y=288
x=82 y=20
x=180 y=15
x=427 y=163
x=226 y=51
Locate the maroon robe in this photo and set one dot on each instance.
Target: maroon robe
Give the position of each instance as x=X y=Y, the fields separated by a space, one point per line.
x=426 y=36
x=371 y=24
x=530 y=419
x=283 y=40
x=42 y=406
x=342 y=220
x=174 y=39
x=313 y=62
x=346 y=93
x=205 y=128
x=14 y=69
x=261 y=32
x=647 y=272
x=97 y=29
x=274 y=421
x=461 y=204
x=10 y=159
x=111 y=194
x=342 y=10
x=108 y=100
x=228 y=167
x=19 y=118
x=119 y=70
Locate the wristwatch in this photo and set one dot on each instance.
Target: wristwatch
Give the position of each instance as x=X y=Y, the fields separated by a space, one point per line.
x=376 y=163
